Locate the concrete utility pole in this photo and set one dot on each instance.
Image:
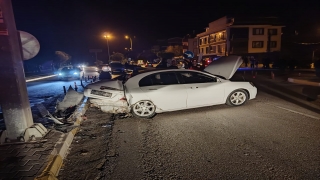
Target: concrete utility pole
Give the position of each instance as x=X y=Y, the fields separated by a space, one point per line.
x=13 y=91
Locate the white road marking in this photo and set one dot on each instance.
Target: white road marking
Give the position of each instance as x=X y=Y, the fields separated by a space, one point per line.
x=43 y=77
x=293 y=111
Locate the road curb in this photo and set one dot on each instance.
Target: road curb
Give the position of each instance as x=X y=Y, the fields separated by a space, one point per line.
x=58 y=154
x=304 y=82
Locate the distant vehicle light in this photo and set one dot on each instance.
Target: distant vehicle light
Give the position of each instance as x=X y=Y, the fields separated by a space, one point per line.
x=75 y=73
x=60 y=74
x=105 y=68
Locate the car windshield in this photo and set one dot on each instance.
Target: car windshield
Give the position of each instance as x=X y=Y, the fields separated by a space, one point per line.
x=66 y=69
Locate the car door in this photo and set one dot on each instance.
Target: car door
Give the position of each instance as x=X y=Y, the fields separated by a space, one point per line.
x=202 y=89
x=164 y=90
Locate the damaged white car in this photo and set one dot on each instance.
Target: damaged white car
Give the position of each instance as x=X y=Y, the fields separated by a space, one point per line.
x=159 y=91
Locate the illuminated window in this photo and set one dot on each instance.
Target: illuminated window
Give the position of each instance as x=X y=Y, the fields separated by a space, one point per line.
x=223 y=35
x=213 y=49
x=257 y=44
x=258 y=31
x=212 y=38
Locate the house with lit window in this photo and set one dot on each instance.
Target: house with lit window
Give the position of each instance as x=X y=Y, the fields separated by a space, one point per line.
x=258 y=37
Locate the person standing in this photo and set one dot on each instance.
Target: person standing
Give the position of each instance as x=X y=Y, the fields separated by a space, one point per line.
x=252 y=62
x=256 y=63
x=173 y=65
x=245 y=60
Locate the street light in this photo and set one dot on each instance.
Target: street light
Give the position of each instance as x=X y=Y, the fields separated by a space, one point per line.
x=127 y=37
x=107 y=37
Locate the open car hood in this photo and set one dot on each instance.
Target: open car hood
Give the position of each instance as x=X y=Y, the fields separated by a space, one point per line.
x=225 y=66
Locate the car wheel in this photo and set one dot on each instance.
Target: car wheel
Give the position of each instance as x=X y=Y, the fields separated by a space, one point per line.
x=144 y=109
x=237 y=98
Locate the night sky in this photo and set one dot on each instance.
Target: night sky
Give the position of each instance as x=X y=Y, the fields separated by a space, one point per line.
x=75 y=26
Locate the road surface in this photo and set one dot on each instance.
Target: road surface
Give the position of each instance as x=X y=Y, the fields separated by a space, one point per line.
x=268 y=138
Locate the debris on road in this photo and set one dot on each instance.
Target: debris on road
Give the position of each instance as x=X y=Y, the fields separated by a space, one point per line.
x=89 y=150
x=72 y=98
x=84 y=152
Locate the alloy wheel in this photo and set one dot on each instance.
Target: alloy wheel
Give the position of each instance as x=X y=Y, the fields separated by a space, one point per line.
x=144 y=109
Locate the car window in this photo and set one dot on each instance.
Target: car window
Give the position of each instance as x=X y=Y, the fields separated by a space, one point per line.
x=146 y=81
x=195 y=77
x=165 y=78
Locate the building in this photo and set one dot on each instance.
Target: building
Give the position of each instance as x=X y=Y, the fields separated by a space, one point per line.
x=258 y=37
x=190 y=43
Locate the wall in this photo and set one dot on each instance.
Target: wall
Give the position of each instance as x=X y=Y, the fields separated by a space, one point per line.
x=264 y=38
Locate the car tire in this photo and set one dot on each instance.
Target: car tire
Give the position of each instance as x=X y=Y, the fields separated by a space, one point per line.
x=237 y=98
x=144 y=109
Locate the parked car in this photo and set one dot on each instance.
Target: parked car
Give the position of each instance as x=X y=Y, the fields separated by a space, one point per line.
x=69 y=72
x=117 y=68
x=154 y=91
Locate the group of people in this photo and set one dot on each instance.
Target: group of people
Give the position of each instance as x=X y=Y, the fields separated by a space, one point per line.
x=253 y=62
x=186 y=64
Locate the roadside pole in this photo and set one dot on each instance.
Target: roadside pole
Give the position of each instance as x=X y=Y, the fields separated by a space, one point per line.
x=13 y=91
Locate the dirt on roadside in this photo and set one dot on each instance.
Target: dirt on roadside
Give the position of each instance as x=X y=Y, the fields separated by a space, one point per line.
x=87 y=154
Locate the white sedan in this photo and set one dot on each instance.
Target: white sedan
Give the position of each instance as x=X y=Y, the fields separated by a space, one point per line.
x=159 y=91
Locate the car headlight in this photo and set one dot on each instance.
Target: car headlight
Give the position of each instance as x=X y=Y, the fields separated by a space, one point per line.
x=75 y=73
x=60 y=74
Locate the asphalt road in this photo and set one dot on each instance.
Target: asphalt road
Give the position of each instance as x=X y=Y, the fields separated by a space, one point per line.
x=268 y=138
x=44 y=89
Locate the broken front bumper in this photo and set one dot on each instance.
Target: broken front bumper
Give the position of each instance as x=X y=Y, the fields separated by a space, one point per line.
x=108 y=106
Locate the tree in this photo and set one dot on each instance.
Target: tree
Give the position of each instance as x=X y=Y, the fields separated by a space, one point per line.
x=147 y=56
x=63 y=58
x=117 y=57
x=166 y=55
x=176 y=50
